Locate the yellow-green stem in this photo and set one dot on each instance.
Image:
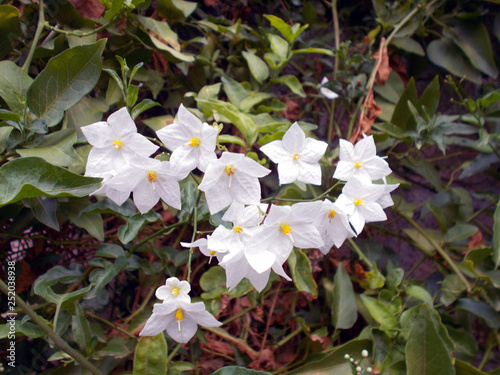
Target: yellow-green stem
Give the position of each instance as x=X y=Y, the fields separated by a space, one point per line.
x=36 y=38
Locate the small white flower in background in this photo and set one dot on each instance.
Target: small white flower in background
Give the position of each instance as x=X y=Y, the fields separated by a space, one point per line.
x=149 y=180
x=327 y=93
x=179 y=318
x=333 y=225
x=359 y=201
x=360 y=160
x=174 y=290
x=385 y=199
x=202 y=244
x=192 y=142
x=297 y=156
x=117 y=196
x=232 y=177
x=116 y=142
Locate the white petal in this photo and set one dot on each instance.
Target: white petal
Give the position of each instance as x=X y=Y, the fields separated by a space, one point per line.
x=155 y=325
x=276 y=152
x=188 y=329
x=245 y=188
x=288 y=172
x=294 y=139
x=204 y=318
x=252 y=168
x=145 y=197
x=174 y=136
x=258 y=280
x=307 y=236
x=309 y=173
x=98 y=134
x=260 y=261
x=313 y=150
x=189 y=120
x=327 y=93
x=218 y=198
x=373 y=212
x=121 y=122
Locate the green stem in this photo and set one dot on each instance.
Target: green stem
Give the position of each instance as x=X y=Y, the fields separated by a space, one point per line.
x=38 y=33
x=441 y=252
x=76 y=33
x=156 y=234
x=193 y=237
x=242 y=345
x=402 y=23
x=58 y=341
x=141 y=307
x=173 y=353
x=114 y=326
x=336 y=28
x=360 y=253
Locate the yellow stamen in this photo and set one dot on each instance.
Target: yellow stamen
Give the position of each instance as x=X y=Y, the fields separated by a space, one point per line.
x=117 y=145
x=287 y=231
x=358 y=164
x=178 y=318
x=174 y=291
x=152 y=178
x=230 y=171
x=358 y=202
x=238 y=230
x=193 y=142
x=296 y=156
x=212 y=253
x=331 y=214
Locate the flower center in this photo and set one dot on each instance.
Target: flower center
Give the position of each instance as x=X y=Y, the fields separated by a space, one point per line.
x=230 y=171
x=296 y=156
x=287 y=231
x=238 y=230
x=212 y=252
x=193 y=142
x=331 y=214
x=178 y=318
x=174 y=291
x=152 y=178
x=358 y=202
x=117 y=145
x=358 y=164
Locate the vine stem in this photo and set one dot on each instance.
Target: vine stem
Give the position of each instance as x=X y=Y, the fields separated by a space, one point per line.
x=242 y=345
x=441 y=252
x=58 y=341
x=38 y=33
x=360 y=253
x=336 y=29
x=195 y=229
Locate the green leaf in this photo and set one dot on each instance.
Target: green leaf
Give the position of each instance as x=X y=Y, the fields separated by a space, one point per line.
x=284 y=28
x=162 y=29
x=471 y=36
x=301 y=270
x=426 y=170
x=14 y=84
x=426 y=352
x=447 y=55
x=460 y=232
x=464 y=368
x=422 y=241
x=227 y=138
x=129 y=231
x=344 y=308
x=10 y=28
x=116 y=6
x=408 y=45
x=109 y=250
x=55 y=148
x=452 y=287
x=43 y=289
x=293 y=84
x=175 y=9
x=496 y=236
x=4 y=137
x=80 y=327
x=419 y=293
x=430 y=98
x=280 y=47
x=150 y=355
x=66 y=79
x=44 y=210
x=142 y=107
x=33 y=177
x=322 y=51
x=235 y=92
x=402 y=115
x=86 y=111
x=257 y=66
x=238 y=370
x=102 y=276
x=481 y=310
x=252 y=100
x=380 y=313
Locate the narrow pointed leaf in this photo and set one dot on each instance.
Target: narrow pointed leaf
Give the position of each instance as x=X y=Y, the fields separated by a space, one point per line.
x=301 y=270
x=344 y=308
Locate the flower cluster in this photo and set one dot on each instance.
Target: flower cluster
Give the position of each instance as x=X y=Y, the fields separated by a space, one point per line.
x=177 y=314
x=258 y=237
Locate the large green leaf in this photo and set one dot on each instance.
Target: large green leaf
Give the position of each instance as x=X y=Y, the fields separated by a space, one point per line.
x=444 y=53
x=44 y=209
x=257 y=66
x=65 y=301
x=380 y=313
x=80 y=328
x=10 y=28
x=481 y=310
x=14 y=84
x=293 y=84
x=175 y=9
x=234 y=90
x=301 y=270
x=55 y=148
x=67 y=78
x=471 y=36
x=344 y=307
x=426 y=352
x=34 y=177
x=150 y=355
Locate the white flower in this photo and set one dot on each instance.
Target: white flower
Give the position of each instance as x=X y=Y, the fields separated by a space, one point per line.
x=359 y=201
x=116 y=142
x=232 y=177
x=117 y=196
x=202 y=244
x=327 y=93
x=333 y=226
x=149 y=180
x=385 y=199
x=297 y=156
x=192 y=142
x=179 y=318
x=174 y=290
x=360 y=160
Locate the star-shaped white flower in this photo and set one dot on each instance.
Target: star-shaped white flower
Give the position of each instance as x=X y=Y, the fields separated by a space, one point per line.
x=174 y=290
x=232 y=177
x=202 y=244
x=116 y=142
x=333 y=226
x=117 y=196
x=359 y=202
x=149 y=180
x=192 y=142
x=297 y=156
x=385 y=199
x=360 y=160
x=179 y=318
x=327 y=93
